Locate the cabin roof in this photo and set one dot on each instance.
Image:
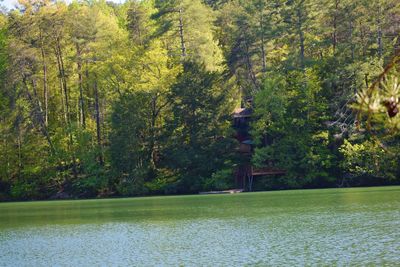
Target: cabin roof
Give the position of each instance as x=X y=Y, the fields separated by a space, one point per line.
x=242 y=113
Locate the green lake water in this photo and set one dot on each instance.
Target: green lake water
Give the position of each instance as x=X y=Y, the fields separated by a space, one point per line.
x=328 y=227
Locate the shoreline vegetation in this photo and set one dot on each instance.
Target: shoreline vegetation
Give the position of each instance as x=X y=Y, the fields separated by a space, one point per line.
x=152 y=97
x=283 y=191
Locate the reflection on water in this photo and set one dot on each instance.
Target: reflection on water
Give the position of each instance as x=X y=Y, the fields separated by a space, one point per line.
x=317 y=227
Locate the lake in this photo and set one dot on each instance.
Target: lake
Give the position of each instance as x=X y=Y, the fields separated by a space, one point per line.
x=355 y=226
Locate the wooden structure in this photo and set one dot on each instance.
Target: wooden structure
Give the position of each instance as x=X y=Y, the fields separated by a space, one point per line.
x=245 y=173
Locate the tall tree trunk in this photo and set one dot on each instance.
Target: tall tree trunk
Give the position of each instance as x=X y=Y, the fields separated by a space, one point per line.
x=335 y=18
x=64 y=81
x=82 y=117
x=61 y=85
x=45 y=87
x=67 y=107
x=300 y=31
x=263 y=54
x=181 y=34
x=98 y=125
x=87 y=81
x=364 y=41
x=351 y=40
x=37 y=116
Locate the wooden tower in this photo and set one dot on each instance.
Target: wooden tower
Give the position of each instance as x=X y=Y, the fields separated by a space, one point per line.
x=245 y=172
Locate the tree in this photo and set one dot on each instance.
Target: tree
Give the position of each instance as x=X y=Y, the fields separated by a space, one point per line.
x=131 y=124
x=187 y=28
x=140 y=25
x=199 y=128
x=288 y=130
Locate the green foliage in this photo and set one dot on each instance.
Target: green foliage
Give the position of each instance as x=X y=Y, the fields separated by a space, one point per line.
x=369 y=158
x=187 y=27
x=199 y=128
x=130 y=150
x=272 y=104
x=288 y=132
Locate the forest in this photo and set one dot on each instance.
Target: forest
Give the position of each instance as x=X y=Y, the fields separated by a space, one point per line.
x=99 y=99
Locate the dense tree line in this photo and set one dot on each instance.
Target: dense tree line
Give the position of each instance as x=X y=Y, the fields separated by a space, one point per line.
x=105 y=99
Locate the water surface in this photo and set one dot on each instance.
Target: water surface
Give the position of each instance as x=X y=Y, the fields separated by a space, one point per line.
x=339 y=227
